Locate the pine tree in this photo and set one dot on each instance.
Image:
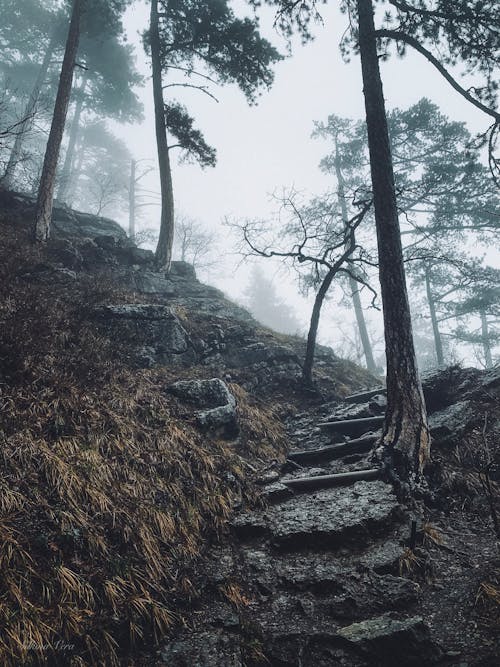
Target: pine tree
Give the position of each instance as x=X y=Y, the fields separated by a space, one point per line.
x=263 y=301
x=202 y=41
x=45 y=198
x=97 y=17
x=444 y=32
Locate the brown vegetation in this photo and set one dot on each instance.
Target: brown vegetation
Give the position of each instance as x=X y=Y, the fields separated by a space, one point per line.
x=108 y=496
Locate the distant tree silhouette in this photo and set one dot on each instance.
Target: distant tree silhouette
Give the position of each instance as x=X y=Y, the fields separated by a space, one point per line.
x=267 y=306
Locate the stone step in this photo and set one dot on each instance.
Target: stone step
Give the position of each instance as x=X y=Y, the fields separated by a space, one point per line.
x=393 y=642
x=305 y=484
x=353 y=427
x=327 y=519
x=363 y=396
x=335 y=451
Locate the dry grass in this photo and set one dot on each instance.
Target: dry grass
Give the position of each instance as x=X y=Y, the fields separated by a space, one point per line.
x=409 y=562
x=108 y=496
x=487 y=600
x=432 y=535
x=233 y=593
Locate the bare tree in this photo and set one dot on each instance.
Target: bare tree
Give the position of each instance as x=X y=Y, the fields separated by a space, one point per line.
x=137 y=195
x=319 y=239
x=194 y=243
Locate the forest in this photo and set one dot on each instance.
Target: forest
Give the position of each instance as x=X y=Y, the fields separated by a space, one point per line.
x=338 y=364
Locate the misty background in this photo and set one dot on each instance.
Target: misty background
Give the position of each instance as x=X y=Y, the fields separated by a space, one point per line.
x=263 y=150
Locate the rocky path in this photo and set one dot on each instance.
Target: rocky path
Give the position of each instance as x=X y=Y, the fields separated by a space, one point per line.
x=313 y=579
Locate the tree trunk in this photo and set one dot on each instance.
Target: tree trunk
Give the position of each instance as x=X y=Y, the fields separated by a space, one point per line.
x=313 y=326
x=354 y=287
x=485 y=337
x=131 y=201
x=163 y=253
x=405 y=438
x=44 y=204
x=28 y=114
x=67 y=169
x=438 y=345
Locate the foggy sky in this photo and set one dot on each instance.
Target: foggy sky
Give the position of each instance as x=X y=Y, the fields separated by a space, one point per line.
x=266 y=147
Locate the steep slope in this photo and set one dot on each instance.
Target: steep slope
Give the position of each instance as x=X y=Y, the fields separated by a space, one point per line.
x=115 y=477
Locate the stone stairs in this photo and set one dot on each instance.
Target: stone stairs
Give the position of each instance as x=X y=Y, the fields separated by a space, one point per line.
x=318 y=565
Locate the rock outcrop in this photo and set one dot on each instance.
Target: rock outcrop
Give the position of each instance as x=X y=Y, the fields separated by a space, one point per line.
x=219 y=405
x=152 y=331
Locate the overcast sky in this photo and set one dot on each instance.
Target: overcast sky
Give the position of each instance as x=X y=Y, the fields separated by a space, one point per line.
x=265 y=147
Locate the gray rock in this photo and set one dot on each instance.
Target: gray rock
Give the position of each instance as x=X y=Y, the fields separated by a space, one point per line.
x=152 y=332
x=332 y=516
x=248 y=525
x=149 y=282
x=70 y=224
x=214 y=395
x=141 y=256
x=183 y=269
x=204 y=649
x=314 y=572
x=345 y=592
x=63 y=252
x=276 y=492
x=259 y=352
x=377 y=404
x=448 y=385
x=223 y=615
x=219 y=565
x=448 y=425
x=328 y=518
x=383 y=558
x=392 y=643
x=491 y=380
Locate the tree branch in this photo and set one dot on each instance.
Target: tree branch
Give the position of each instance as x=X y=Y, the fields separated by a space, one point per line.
x=415 y=44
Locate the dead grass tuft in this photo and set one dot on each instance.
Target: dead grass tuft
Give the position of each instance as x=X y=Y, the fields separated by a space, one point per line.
x=487 y=601
x=235 y=595
x=409 y=562
x=431 y=534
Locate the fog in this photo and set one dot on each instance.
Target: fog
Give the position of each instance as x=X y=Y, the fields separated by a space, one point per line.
x=263 y=148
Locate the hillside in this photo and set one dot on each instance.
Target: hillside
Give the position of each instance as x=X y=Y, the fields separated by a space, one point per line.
x=112 y=488
x=152 y=436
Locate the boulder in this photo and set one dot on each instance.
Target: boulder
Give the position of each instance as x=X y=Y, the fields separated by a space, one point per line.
x=446 y=386
x=448 y=425
x=218 y=403
x=68 y=224
x=257 y=353
x=391 y=642
x=122 y=251
x=183 y=270
x=149 y=282
x=65 y=253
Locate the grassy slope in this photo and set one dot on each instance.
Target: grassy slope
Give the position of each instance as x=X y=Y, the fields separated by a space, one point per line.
x=108 y=495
